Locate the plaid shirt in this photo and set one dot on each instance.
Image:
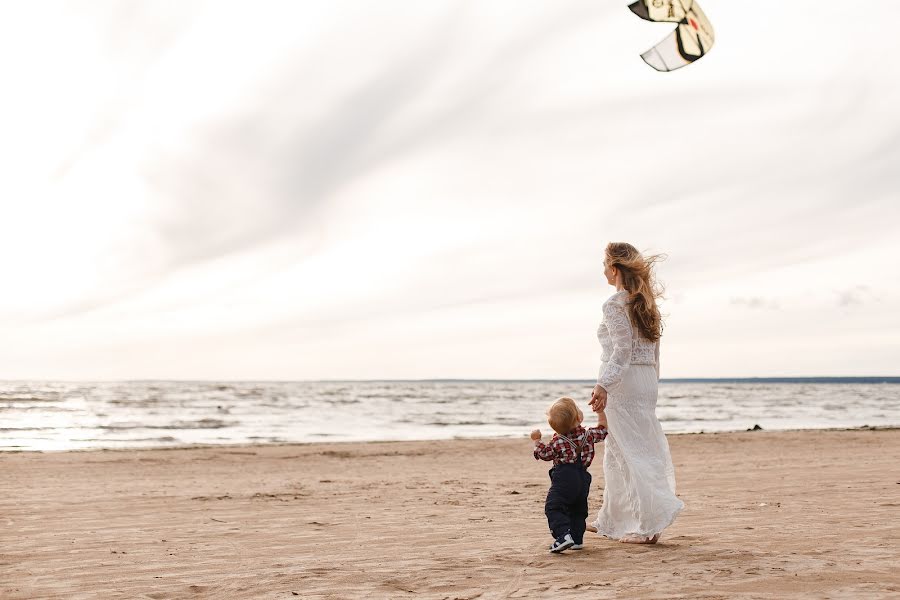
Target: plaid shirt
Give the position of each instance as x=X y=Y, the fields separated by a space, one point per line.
x=562 y=451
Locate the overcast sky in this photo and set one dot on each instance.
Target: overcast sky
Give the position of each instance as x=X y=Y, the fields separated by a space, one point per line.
x=408 y=189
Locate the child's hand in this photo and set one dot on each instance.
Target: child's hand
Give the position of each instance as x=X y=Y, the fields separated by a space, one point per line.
x=536 y=434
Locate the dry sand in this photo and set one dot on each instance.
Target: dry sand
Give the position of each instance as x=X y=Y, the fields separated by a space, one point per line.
x=769 y=515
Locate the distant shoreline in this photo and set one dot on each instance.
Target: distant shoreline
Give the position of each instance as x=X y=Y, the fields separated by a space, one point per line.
x=893 y=380
x=868 y=379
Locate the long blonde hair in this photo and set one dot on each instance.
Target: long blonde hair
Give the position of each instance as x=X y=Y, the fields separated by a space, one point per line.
x=639 y=280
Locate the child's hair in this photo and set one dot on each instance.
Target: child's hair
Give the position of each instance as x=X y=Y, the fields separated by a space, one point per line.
x=563 y=415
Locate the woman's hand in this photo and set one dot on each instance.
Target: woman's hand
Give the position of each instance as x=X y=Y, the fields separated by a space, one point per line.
x=598 y=398
x=536 y=434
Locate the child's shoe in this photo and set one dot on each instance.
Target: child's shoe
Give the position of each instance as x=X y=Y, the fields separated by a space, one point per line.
x=563 y=542
x=577 y=546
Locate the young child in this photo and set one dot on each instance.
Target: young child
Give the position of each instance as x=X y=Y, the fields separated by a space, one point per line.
x=571 y=450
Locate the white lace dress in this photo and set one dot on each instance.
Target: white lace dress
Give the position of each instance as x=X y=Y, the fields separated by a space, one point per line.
x=639 y=497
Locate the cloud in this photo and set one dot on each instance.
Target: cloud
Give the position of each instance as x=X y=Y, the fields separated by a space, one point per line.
x=856 y=296
x=756 y=302
x=138 y=36
x=266 y=169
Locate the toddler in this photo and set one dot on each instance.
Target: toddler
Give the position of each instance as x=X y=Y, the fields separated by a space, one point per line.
x=571 y=450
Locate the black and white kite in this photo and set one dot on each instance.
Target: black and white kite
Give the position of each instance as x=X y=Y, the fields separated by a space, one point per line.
x=691 y=40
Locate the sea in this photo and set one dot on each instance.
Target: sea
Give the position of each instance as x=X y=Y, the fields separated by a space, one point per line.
x=54 y=416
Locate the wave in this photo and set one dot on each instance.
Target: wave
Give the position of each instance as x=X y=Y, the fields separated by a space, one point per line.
x=17 y=398
x=164 y=438
x=48 y=409
x=5 y=429
x=500 y=422
x=199 y=424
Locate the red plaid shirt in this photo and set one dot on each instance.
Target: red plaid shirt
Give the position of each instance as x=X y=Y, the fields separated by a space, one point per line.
x=561 y=451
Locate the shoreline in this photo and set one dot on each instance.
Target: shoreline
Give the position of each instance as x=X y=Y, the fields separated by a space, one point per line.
x=761 y=431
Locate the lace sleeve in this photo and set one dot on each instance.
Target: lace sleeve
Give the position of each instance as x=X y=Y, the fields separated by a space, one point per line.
x=620 y=331
x=657 y=359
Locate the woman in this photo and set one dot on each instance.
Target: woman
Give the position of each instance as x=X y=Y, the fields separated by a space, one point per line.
x=639 y=499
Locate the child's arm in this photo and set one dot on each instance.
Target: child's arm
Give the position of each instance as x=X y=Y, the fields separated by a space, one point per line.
x=541 y=450
x=597 y=434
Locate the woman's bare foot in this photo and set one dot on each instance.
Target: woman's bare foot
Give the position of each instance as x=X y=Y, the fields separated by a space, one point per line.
x=590 y=528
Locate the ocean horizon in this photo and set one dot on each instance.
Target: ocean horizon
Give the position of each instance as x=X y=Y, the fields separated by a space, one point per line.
x=801 y=379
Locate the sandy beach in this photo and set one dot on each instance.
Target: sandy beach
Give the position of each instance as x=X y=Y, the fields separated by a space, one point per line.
x=809 y=514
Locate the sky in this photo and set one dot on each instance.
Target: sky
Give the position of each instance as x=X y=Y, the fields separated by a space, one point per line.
x=403 y=189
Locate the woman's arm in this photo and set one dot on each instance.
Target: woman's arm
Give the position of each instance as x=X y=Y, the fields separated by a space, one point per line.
x=598 y=399
x=620 y=331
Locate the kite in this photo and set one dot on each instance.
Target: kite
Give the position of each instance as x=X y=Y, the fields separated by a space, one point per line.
x=691 y=40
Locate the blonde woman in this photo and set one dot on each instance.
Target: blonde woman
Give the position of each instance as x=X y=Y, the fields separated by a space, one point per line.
x=639 y=499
